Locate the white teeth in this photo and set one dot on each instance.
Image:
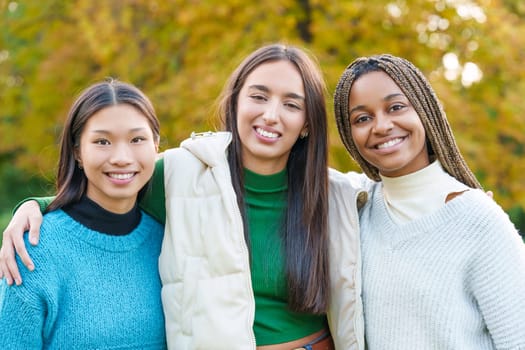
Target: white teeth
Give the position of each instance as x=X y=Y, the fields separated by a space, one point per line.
x=121 y=176
x=390 y=143
x=265 y=133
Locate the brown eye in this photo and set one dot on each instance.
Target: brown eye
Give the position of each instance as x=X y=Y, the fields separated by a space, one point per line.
x=397 y=107
x=258 y=97
x=293 y=106
x=138 y=139
x=361 y=119
x=102 y=142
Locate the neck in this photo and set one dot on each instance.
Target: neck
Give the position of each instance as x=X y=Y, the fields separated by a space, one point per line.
x=267 y=167
x=117 y=206
x=410 y=196
x=95 y=217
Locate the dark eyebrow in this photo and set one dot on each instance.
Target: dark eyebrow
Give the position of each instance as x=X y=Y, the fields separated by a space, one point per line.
x=265 y=89
x=387 y=98
x=356 y=108
x=101 y=131
x=392 y=96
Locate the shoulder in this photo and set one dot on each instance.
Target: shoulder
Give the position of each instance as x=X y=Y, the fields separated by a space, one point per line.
x=150 y=222
x=46 y=255
x=484 y=205
x=57 y=229
x=339 y=179
x=353 y=179
x=351 y=183
x=180 y=163
x=208 y=148
x=152 y=230
x=55 y=225
x=483 y=213
x=200 y=159
x=174 y=155
x=496 y=237
x=349 y=186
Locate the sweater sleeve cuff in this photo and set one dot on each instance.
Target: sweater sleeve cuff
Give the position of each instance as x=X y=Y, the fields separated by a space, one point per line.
x=43 y=202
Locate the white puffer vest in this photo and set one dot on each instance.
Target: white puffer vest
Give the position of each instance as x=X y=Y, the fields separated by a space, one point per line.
x=204 y=264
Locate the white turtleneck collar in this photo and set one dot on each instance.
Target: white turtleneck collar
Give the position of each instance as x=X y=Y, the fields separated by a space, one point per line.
x=422 y=192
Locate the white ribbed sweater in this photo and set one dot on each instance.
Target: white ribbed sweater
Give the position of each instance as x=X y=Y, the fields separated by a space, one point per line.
x=451 y=279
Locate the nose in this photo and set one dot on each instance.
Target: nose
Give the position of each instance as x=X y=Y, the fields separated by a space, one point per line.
x=121 y=154
x=382 y=124
x=271 y=113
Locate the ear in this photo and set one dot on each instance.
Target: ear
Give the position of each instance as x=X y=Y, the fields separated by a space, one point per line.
x=304 y=132
x=77 y=157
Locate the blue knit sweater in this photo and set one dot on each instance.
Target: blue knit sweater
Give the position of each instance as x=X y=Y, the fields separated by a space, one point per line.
x=453 y=279
x=89 y=290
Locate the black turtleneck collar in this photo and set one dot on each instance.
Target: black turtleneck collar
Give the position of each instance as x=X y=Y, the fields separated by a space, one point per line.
x=96 y=218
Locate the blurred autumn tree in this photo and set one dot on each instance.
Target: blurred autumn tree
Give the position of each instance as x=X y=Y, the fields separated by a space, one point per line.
x=181 y=52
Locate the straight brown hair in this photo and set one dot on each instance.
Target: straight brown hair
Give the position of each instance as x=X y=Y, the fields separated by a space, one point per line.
x=305 y=233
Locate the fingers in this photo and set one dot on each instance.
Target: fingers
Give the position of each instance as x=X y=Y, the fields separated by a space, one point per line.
x=35 y=221
x=27 y=217
x=8 y=263
x=3 y=268
x=5 y=251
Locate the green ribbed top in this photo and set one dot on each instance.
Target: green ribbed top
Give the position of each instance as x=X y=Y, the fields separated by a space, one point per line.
x=266 y=199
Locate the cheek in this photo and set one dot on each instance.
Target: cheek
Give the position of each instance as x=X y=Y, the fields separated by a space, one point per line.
x=150 y=154
x=92 y=157
x=147 y=164
x=422 y=136
x=301 y=122
x=294 y=128
x=241 y=127
x=294 y=121
x=241 y=116
x=358 y=136
x=243 y=107
x=244 y=125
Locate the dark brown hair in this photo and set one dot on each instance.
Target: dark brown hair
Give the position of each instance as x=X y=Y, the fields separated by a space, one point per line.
x=71 y=182
x=440 y=140
x=305 y=228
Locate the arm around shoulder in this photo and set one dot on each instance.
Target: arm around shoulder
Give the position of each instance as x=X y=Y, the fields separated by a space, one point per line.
x=28 y=216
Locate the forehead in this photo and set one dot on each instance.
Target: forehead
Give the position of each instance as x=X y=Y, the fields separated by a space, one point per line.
x=373 y=85
x=281 y=75
x=118 y=117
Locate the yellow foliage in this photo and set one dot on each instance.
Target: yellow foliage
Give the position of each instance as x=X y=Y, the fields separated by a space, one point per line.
x=181 y=53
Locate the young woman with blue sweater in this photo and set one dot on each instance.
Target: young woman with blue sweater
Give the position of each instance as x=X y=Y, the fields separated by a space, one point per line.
x=443 y=266
x=96 y=285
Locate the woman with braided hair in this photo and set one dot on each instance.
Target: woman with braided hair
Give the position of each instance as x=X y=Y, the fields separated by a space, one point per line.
x=443 y=267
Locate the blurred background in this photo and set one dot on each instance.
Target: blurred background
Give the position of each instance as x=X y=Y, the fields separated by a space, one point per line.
x=181 y=52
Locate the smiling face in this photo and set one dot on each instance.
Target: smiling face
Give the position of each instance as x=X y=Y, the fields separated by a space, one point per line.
x=117 y=152
x=270 y=116
x=386 y=129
